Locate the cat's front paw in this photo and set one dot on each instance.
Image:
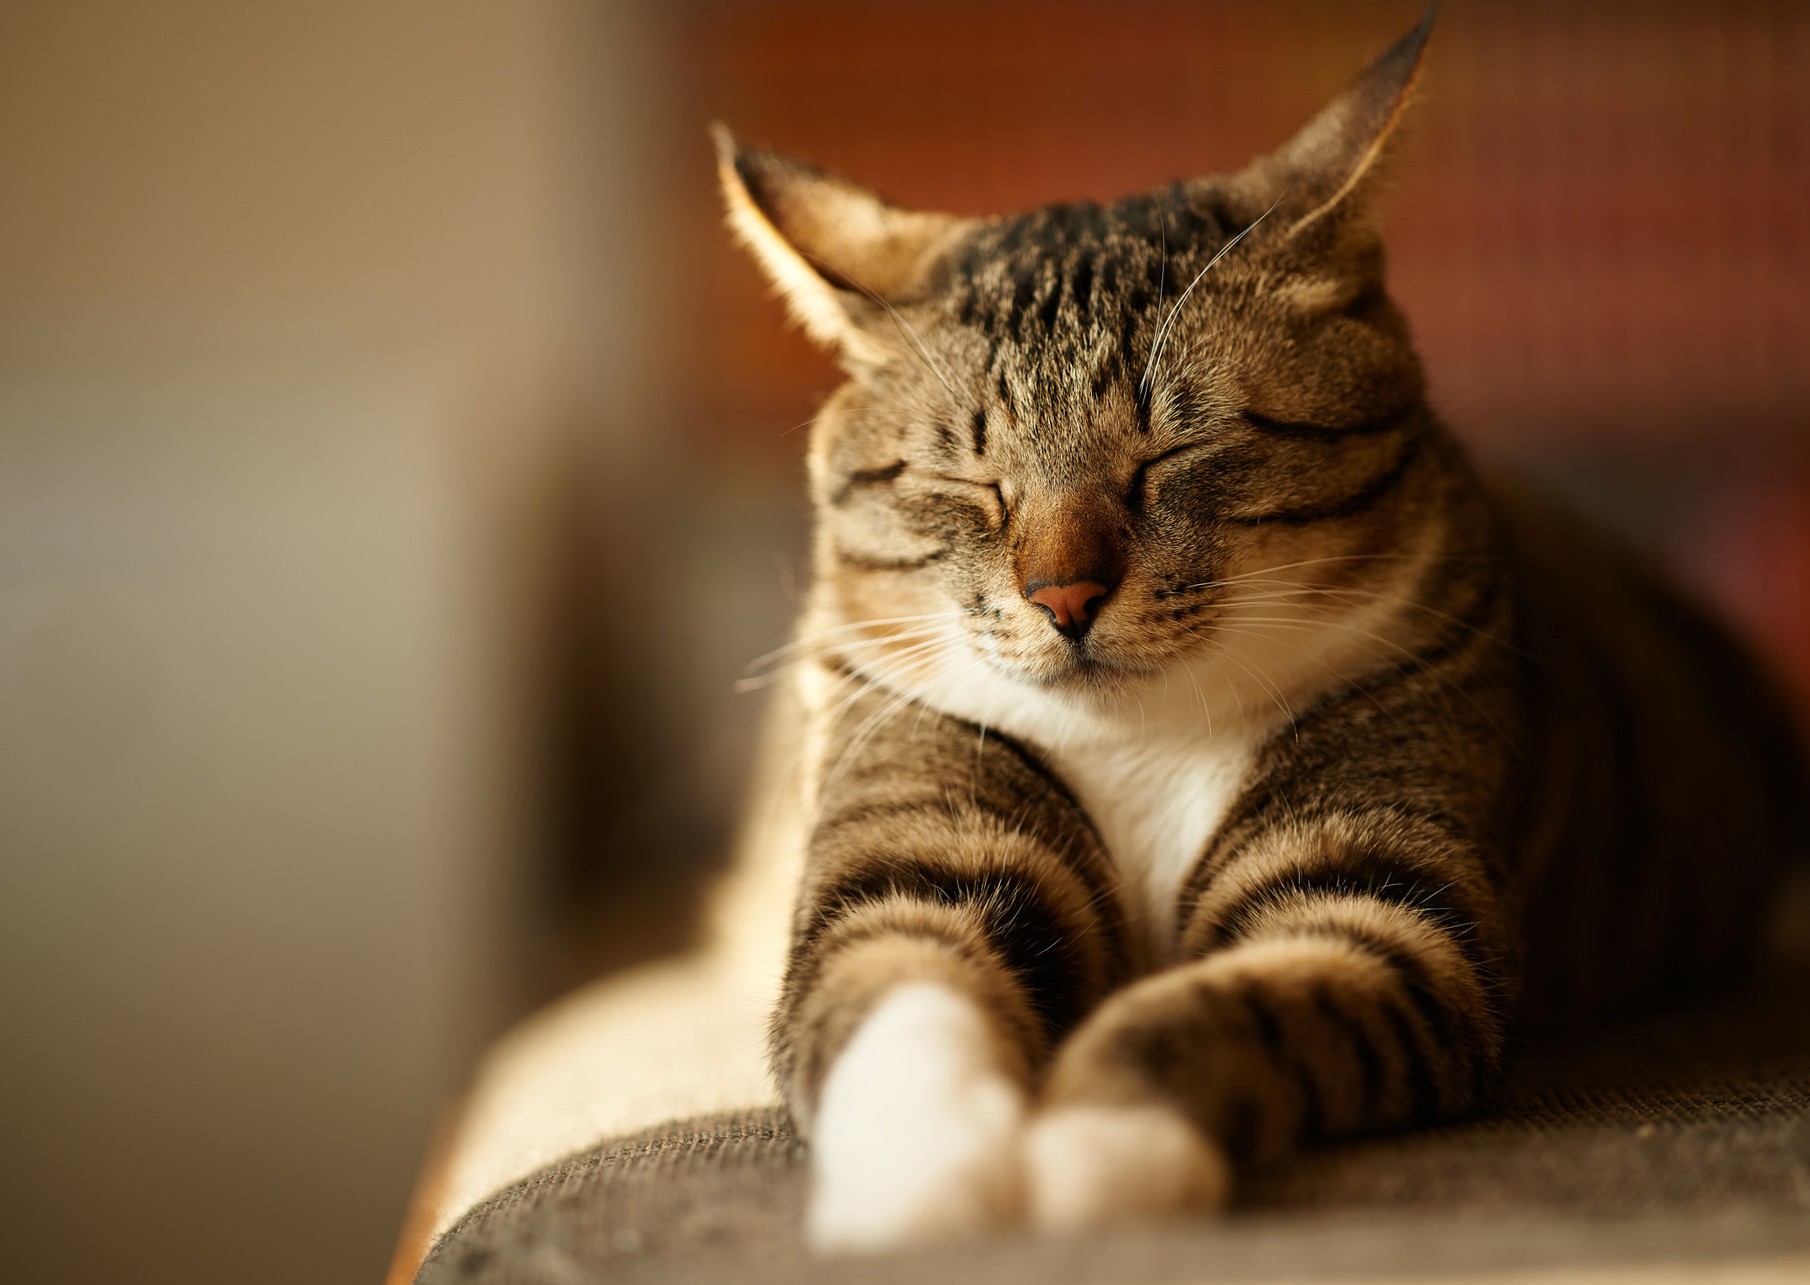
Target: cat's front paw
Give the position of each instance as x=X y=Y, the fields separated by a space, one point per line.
x=1094 y=1167
x=919 y=1131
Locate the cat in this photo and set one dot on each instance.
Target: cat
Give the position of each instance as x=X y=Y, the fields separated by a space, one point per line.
x=1202 y=760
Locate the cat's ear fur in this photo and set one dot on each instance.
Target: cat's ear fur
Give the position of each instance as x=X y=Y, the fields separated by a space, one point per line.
x=1329 y=174
x=840 y=255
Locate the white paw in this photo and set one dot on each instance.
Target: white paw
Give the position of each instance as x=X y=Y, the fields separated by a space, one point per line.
x=918 y=1135
x=1090 y=1168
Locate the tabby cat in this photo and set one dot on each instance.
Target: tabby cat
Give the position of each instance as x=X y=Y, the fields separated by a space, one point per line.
x=1202 y=761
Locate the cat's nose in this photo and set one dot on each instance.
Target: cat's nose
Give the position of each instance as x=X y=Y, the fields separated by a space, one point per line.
x=1071 y=605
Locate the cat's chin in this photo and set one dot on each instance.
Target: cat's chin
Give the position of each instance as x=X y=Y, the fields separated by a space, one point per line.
x=1088 y=674
x=1080 y=675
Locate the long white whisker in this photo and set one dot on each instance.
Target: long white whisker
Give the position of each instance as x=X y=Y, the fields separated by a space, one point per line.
x=1162 y=330
x=1264 y=683
x=1317 y=562
x=849 y=648
x=913 y=340
x=1406 y=653
x=1234 y=630
x=821 y=635
x=1357 y=597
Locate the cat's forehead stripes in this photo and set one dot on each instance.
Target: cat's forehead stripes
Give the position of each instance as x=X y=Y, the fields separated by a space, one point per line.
x=1068 y=298
x=1066 y=268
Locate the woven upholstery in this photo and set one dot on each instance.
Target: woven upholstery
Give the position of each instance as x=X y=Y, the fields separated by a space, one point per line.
x=1684 y=1141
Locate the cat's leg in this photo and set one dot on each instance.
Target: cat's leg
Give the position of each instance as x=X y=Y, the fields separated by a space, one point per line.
x=916 y=1129
x=948 y=936
x=1342 y=977
x=912 y=1023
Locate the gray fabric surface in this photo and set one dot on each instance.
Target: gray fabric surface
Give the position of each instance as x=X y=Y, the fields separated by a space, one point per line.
x=1684 y=1140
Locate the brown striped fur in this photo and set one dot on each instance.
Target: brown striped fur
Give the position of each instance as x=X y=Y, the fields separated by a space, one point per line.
x=1499 y=780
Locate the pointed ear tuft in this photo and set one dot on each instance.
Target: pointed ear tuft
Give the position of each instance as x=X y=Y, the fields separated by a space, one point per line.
x=1336 y=160
x=837 y=252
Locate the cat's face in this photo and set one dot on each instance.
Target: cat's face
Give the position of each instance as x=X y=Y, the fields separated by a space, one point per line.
x=1095 y=440
x=1093 y=470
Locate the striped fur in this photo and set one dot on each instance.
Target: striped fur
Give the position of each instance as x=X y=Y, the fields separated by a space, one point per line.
x=1360 y=771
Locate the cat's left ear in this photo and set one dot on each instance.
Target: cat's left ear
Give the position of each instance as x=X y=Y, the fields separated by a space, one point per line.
x=1329 y=173
x=840 y=255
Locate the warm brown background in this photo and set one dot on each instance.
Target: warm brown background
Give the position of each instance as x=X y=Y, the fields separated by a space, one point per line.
x=398 y=467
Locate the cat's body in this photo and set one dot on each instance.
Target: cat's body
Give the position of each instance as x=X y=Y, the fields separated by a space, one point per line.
x=1200 y=761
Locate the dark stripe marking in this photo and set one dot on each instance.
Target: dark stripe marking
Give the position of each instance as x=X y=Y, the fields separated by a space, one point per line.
x=1081 y=284
x=1457 y=642
x=1266 y=797
x=1024 y=293
x=808 y=959
x=1423 y=1094
x=1323 y=433
x=1275 y=1045
x=931 y=808
x=883 y=476
x=1445 y=1023
x=866 y=562
x=1373 y=875
x=1038 y=768
x=1356 y=1034
x=1093 y=868
x=1349 y=506
x=1033 y=941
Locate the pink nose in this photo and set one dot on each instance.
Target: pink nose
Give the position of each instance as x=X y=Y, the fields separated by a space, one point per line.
x=1071 y=607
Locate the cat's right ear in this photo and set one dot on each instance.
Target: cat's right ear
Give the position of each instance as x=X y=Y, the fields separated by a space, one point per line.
x=1329 y=173
x=839 y=254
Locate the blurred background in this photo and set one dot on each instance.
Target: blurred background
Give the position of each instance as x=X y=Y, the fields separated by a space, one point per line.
x=398 y=467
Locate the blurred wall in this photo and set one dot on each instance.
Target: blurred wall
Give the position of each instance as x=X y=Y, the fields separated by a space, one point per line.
x=301 y=325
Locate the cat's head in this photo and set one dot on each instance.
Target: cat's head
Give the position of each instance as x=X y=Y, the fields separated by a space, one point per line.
x=1085 y=433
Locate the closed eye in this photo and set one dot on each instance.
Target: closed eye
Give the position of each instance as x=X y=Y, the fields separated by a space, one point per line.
x=1138 y=493
x=1393 y=418
x=994 y=492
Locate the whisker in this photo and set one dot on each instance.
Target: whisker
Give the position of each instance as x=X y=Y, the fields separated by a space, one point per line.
x=1358 y=596
x=918 y=640
x=1162 y=331
x=1321 y=661
x=808 y=640
x=913 y=340
x=868 y=729
x=1405 y=652
x=1347 y=557
x=1263 y=681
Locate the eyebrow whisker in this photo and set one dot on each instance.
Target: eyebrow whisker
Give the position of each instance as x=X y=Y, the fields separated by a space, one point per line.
x=1162 y=330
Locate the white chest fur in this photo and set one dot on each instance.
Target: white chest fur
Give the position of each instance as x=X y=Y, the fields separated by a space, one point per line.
x=1157 y=775
x=1157 y=803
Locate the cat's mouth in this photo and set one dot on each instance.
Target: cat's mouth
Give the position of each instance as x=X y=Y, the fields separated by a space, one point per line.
x=1082 y=666
x=1104 y=661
